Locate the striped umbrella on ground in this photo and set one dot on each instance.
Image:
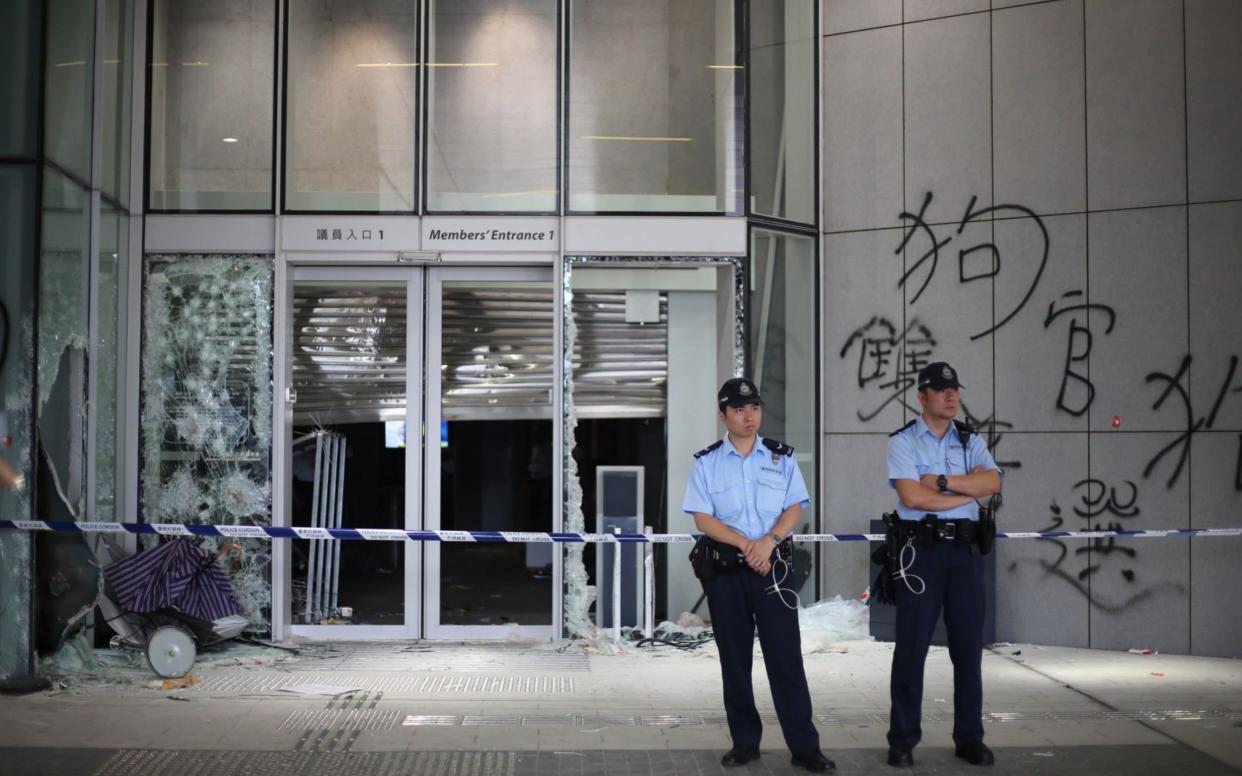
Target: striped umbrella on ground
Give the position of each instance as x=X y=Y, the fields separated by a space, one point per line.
x=177 y=574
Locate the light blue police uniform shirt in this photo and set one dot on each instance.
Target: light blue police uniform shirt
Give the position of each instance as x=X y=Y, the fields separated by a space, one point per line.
x=747 y=494
x=915 y=450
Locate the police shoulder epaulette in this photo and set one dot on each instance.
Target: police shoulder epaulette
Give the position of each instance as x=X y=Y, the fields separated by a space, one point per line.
x=903 y=428
x=709 y=448
x=780 y=448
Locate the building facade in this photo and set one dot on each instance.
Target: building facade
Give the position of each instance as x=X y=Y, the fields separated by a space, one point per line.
x=430 y=265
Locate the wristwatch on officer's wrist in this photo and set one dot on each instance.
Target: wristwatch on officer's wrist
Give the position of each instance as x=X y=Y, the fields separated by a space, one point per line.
x=942 y=483
x=775 y=537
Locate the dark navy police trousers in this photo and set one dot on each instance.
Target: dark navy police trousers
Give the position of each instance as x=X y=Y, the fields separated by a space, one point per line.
x=738 y=604
x=953 y=575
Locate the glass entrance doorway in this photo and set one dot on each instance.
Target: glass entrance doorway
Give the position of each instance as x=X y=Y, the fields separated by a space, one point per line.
x=422 y=400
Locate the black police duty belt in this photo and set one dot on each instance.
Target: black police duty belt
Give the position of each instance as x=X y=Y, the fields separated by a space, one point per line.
x=713 y=557
x=932 y=529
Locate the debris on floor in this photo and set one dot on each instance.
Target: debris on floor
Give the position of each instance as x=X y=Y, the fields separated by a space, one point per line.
x=1143 y=652
x=180 y=683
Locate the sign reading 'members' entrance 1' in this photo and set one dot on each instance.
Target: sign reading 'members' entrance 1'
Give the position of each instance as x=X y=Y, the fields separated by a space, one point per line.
x=489 y=234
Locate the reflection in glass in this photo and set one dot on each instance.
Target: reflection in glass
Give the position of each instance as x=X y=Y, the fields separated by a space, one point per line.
x=68 y=89
x=782 y=343
x=211 y=83
x=349 y=370
x=116 y=112
x=352 y=102
x=655 y=106
x=782 y=109
x=109 y=359
x=19 y=89
x=492 y=106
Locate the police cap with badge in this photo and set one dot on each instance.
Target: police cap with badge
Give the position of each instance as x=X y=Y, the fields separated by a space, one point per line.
x=737 y=392
x=938 y=376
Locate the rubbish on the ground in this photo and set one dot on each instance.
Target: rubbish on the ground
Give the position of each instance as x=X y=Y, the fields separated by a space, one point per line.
x=827 y=622
x=177 y=698
x=1042 y=754
x=1002 y=644
x=1017 y=652
x=1156 y=673
x=688 y=620
x=179 y=683
x=1143 y=652
x=320 y=689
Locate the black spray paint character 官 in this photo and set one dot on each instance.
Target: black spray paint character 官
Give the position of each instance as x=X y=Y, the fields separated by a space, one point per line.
x=1078 y=349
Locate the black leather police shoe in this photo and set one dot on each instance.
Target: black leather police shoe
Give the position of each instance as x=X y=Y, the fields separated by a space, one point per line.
x=975 y=754
x=739 y=755
x=900 y=758
x=813 y=760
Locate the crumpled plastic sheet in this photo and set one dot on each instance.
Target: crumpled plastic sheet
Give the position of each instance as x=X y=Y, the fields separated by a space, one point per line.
x=826 y=623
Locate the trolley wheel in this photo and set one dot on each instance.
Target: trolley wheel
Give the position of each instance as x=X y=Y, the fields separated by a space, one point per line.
x=171 y=651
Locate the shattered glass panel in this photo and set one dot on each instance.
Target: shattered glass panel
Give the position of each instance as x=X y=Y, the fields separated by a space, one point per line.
x=108 y=359
x=578 y=594
x=207 y=405
x=17 y=273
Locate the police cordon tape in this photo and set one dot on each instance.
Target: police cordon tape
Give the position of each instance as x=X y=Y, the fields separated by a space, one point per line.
x=396 y=535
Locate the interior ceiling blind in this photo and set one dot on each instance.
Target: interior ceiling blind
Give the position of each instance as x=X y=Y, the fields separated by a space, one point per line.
x=498 y=358
x=349 y=360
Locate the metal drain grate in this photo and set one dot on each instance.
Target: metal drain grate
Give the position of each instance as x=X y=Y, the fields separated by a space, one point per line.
x=310 y=763
x=342 y=719
x=265 y=681
x=933 y=716
x=387 y=657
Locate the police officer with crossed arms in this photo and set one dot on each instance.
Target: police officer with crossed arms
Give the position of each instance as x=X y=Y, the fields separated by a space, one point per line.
x=746 y=494
x=939 y=467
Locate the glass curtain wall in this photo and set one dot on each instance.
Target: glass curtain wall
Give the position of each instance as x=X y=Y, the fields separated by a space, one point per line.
x=655 y=96
x=20 y=54
x=351 y=106
x=211 y=88
x=492 y=106
x=782 y=325
x=781 y=113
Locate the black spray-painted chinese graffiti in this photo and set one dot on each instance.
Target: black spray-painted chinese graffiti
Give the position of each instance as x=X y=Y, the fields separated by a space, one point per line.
x=1192 y=425
x=1077 y=350
x=967 y=274
x=1102 y=507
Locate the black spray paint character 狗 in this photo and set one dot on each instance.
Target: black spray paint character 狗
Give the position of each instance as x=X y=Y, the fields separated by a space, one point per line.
x=892 y=359
x=1173 y=384
x=919 y=222
x=1078 y=348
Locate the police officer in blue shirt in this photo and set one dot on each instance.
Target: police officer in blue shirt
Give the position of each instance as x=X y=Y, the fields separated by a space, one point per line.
x=746 y=494
x=939 y=466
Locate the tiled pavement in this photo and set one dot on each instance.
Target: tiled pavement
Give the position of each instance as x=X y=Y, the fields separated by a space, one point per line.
x=507 y=709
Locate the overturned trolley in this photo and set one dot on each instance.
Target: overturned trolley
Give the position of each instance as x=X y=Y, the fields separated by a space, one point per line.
x=170 y=599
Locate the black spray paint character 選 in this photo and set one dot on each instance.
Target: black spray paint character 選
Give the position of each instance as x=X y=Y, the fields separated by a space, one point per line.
x=1078 y=349
x=1099 y=499
x=1173 y=384
x=889 y=360
x=919 y=223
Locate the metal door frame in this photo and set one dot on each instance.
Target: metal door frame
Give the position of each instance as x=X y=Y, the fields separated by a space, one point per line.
x=412 y=583
x=436 y=278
